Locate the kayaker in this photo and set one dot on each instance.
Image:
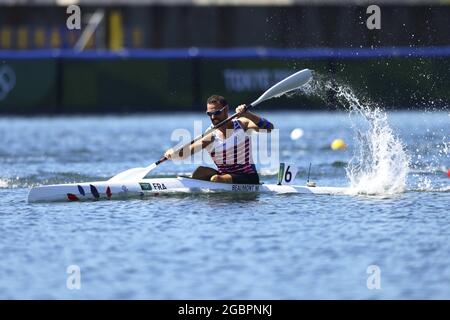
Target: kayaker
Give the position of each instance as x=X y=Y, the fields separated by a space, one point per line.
x=229 y=146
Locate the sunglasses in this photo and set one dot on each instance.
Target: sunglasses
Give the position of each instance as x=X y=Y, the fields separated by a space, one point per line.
x=215 y=113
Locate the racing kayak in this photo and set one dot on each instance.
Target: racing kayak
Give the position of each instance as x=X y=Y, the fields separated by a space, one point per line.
x=106 y=190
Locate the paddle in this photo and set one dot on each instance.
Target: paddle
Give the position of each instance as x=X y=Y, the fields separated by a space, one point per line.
x=288 y=84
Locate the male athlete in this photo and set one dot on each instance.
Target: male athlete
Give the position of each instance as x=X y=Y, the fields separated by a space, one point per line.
x=229 y=146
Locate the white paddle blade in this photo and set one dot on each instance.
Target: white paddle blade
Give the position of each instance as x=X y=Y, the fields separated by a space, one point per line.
x=133 y=173
x=127 y=174
x=292 y=82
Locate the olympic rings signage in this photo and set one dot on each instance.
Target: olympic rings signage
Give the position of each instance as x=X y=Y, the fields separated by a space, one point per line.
x=7 y=81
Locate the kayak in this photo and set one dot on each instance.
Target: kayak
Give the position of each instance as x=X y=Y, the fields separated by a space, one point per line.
x=143 y=188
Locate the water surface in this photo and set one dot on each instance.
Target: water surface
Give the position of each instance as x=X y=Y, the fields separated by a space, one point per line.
x=220 y=246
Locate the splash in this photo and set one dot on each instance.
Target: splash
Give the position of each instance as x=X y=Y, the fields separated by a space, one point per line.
x=424 y=184
x=427 y=165
x=380 y=164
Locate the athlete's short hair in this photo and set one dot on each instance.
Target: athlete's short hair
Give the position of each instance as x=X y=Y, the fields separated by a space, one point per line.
x=216 y=99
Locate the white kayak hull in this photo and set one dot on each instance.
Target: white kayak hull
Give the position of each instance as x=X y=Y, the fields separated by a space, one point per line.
x=105 y=190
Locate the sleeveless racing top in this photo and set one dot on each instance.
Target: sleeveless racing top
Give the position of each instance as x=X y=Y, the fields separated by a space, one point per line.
x=233 y=154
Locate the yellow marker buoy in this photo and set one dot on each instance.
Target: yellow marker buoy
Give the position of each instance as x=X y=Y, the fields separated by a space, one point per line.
x=338 y=144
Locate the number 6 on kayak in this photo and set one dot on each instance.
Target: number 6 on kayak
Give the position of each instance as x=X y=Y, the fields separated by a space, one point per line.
x=287 y=173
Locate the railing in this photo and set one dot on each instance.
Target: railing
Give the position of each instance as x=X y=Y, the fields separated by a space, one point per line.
x=234 y=53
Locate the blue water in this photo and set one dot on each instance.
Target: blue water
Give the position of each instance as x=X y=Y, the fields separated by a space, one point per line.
x=220 y=246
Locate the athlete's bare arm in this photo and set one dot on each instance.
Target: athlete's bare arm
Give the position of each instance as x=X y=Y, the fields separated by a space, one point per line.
x=252 y=121
x=190 y=149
